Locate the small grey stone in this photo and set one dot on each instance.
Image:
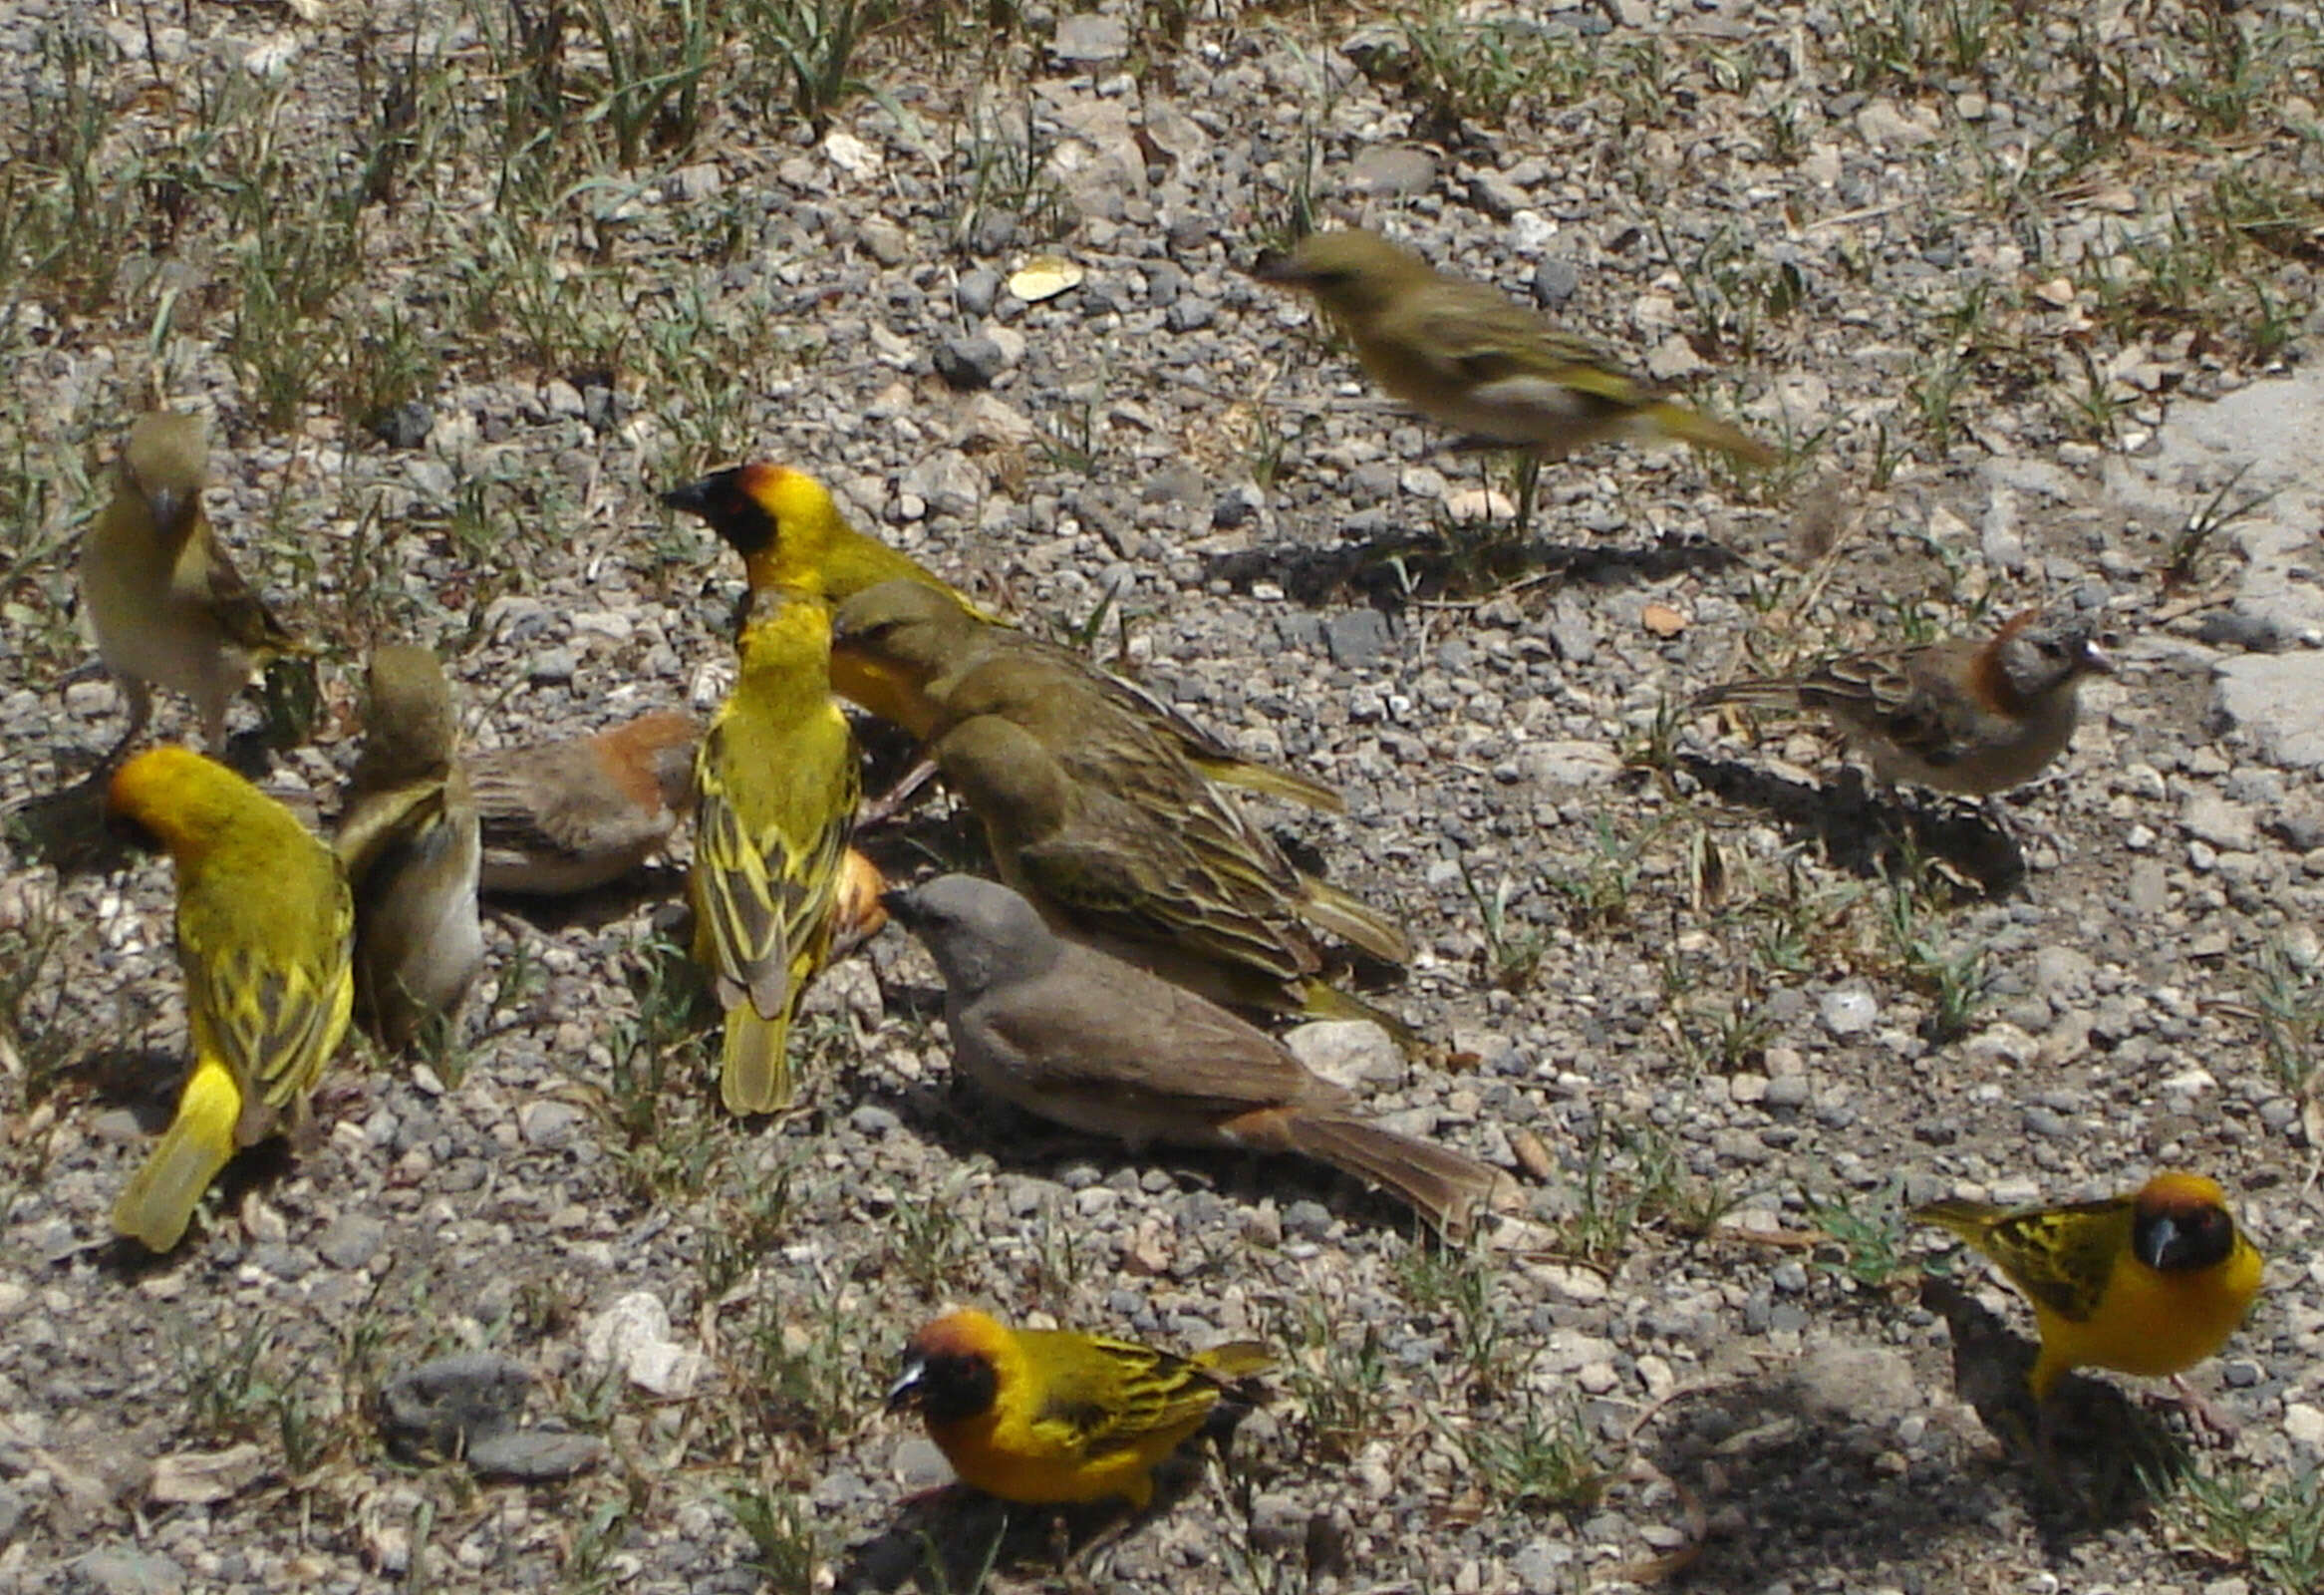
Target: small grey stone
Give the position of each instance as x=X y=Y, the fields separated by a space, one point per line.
x=1353 y=1052
x=1392 y=169
x=2250 y=631
x=977 y=292
x=1308 y=1220
x=1190 y=313
x=533 y=1453
x=1498 y=197
x=2040 y=1121
x=1237 y=507
x=1542 y=1567
x=887 y=242
x=1859 y=1383
x=874 y=1121
x=1356 y=637
x=695 y=182
x=1164 y=283
x=441 y=1407
x=2230 y=826
x=966 y=364
x=548 y=1124
x=2278 y=699
x=353 y=1240
x=1850 y=1011
x=2063 y=973
x=1177 y=483
x=406 y=426
x=1298 y=630
x=918 y=1464
x=1553 y=282
x=120 y=1570
x=284 y=1262
x=553 y=666
x=1089 y=39
x=992 y=232
x=1572 y=632
x=1787 y=1090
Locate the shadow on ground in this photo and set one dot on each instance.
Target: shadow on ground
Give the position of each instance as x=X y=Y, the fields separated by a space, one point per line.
x=1389 y=571
x=956 y=1538
x=1870 y=836
x=955 y=1115
x=1802 y=1493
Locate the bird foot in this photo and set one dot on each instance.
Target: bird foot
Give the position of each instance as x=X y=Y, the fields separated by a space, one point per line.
x=2206 y=1418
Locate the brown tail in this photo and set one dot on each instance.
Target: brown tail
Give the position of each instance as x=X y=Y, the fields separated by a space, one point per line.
x=1769 y=694
x=1335 y=913
x=1448 y=1188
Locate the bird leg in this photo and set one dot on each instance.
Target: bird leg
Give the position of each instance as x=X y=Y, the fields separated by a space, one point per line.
x=876 y=812
x=139 y=699
x=1528 y=474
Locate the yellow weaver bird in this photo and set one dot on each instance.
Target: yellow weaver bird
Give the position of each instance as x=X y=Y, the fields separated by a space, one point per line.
x=265 y=939
x=2148 y=1284
x=167 y=605
x=790 y=535
x=1048 y=1416
x=903 y=645
x=779 y=781
x=1466 y=355
x=1175 y=880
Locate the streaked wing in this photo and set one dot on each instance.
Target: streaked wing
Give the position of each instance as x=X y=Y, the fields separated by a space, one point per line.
x=2063 y=1258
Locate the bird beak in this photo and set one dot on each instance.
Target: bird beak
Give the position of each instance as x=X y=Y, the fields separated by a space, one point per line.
x=171 y=507
x=694 y=498
x=2097 y=658
x=901 y=906
x=2160 y=1241
x=906 y=1390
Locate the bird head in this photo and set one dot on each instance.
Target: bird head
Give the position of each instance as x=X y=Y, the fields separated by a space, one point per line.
x=408 y=724
x=653 y=758
x=2182 y=1224
x=1351 y=272
x=951 y=1369
x=904 y=624
x=979 y=931
x=172 y=797
x=760 y=507
x=166 y=461
x=2041 y=650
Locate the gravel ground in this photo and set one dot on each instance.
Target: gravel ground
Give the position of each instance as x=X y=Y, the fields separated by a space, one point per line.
x=2025 y=296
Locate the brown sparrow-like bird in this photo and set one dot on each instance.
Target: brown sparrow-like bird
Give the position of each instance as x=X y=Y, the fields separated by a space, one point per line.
x=1960 y=716
x=1085 y=1040
x=568 y=816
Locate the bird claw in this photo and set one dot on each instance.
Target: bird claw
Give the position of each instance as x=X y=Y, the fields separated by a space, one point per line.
x=2209 y=1421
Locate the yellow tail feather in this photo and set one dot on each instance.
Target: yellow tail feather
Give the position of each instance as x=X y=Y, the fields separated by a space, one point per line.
x=1327 y=908
x=1274 y=782
x=754 y=1074
x=1689 y=425
x=161 y=1197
